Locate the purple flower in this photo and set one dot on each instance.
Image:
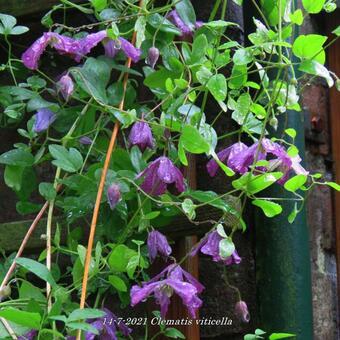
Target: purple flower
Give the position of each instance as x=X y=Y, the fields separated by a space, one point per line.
x=157 y=243
x=75 y=48
x=65 y=86
x=172 y=279
x=226 y=156
x=113 y=195
x=153 y=55
x=241 y=310
x=112 y=47
x=179 y=23
x=85 y=140
x=29 y=336
x=141 y=135
x=210 y=245
x=159 y=174
x=43 y=119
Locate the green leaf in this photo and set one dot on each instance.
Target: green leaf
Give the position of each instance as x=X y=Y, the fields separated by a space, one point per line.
x=118 y=283
x=310 y=47
x=47 y=191
x=93 y=78
x=70 y=161
x=86 y=313
x=333 y=185
x=99 y=5
x=119 y=257
x=291 y=132
x=226 y=248
x=317 y=69
x=13 y=176
x=186 y=12
x=296 y=17
x=162 y=24
x=17 y=157
x=188 y=207
x=78 y=7
x=132 y=265
x=313 y=6
x=173 y=333
x=37 y=268
x=151 y=215
x=269 y=208
x=337 y=31
x=217 y=86
x=210 y=198
x=28 y=291
x=192 y=140
x=276 y=336
x=17 y=30
x=238 y=77
x=242 y=56
x=31 y=320
x=83 y=326
x=199 y=47
x=140 y=29
x=295 y=183
x=219 y=24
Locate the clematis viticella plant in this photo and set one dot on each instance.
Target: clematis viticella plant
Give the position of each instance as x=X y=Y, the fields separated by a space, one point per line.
x=148 y=72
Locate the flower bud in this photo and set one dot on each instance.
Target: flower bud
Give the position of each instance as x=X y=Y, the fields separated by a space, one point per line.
x=241 y=310
x=141 y=136
x=65 y=86
x=85 y=140
x=113 y=195
x=337 y=84
x=153 y=56
x=43 y=119
x=5 y=292
x=274 y=123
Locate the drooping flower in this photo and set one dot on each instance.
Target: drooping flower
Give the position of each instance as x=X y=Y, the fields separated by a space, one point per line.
x=173 y=279
x=107 y=326
x=209 y=245
x=187 y=31
x=43 y=119
x=112 y=47
x=31 y=335
x=74 y=48
x=241 y=310
x=65 y=86
x=239 y=157
x=85 y=140
x=159 y=174
x=226 y=156
x=158 y=244
x=153 y=55
x=141 y=135
x=113 y=195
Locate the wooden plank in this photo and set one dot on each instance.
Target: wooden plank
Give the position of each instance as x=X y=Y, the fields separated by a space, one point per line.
x=334 y=98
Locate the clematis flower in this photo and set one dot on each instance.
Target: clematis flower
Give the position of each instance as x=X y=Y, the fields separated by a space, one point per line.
x=159 y=174
x=107 y=327
x=31 y=335
x=112 y=47
x=157 y=243
x=241 y=310
x=85 y=140
x=209 y=245
x=173 y=279
x=43 y=119
x=65 y=86
x=226 y=156
x=113 y=195
x=141 y=135
x=179 y=23
x=153 y=55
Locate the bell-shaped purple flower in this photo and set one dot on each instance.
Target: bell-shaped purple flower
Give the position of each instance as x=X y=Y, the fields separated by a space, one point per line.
x=31 y=335
x=187 y=31
x=113 y=195
x=112 y=47
x=173 y=279
x=153 y=55
x=226 y=156
x=66 y=86
x=210 y=245
x=241 y=310
x=85 y=140
x=43 y=119
x=159 y=174
x=158 y=244
x=141 y=136
x=74 y=48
